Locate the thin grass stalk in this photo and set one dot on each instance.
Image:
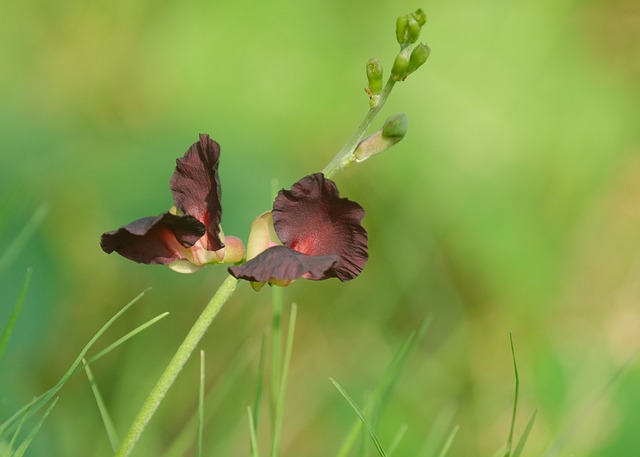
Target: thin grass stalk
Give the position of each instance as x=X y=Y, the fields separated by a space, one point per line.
x=449 y=442
x=252 y=434
x=213 y=399
x=201 y=405
x=277 y=434
x=34 y=431
x=114 y=441
x=17 y=309
x=276 y=342
x=362 y=417
x=515 y=399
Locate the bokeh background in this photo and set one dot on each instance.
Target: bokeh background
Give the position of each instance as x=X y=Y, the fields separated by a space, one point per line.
x=511 y=206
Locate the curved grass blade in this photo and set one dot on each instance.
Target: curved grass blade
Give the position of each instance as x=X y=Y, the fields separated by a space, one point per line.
x=8 y=330
x=25 y=444
x=560 y=442
x=515 y=399
x=525 y=435
x=397 y=439
x=360 y=414
x=385 y=386
x=126 y=337
x=35 y=405
x=449 y=442
x=8 y=452
x=252 y=434
x=114 y=441
x=20 y=241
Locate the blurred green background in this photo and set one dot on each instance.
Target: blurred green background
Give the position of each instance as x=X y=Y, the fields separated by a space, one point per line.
x=511 y=205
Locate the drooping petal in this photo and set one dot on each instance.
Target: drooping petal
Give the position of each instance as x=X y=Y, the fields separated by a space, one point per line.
x=153 y=240
x=196 y=187
x=281 y=265
x=311 y=218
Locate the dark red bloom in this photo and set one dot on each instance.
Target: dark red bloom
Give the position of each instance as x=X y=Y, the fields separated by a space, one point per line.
x=321 y=235
x=191 y=238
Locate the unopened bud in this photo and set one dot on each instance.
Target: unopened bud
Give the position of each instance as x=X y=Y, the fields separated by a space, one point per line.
x=413 y=30
x=420 y=16
x=395 y=126
x=394 y=130
x=400 y=65
x=374 y=75
x=401 y=29
x=419 y=55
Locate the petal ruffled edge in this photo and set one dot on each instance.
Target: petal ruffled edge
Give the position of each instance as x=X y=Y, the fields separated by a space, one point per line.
x=154 y=240
x=196 y=187
x=280 y=265
x=313 y=219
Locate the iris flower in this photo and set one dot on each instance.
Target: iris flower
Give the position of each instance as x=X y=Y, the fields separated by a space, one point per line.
x=311 y=232
x=189 y=235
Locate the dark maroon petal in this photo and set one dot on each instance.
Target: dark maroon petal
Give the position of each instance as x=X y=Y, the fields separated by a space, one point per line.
x=196 y=187
x=280 y=263
x=312 y=218
x=154 y=239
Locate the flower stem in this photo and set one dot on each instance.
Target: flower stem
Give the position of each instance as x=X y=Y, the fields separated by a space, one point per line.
x=345 y=157
x=176 y=364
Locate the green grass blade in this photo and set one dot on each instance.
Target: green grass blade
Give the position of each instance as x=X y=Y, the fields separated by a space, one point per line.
x=437 y=432
x=9 y=450
x=25 y=444
x=525 y=435
x=126 y=337
x=102 y=407
x=23 y=237
x=277 y=426
x=258 y=398
x=449 y=442
x=252 y=434
x=6 y=334
x=385 y=386
x=360 y=414
x=559 y=443
x=396 y=440
x=10 y=424
x=214 y=398
x=515 y=399
x=276 y=341
x=201 y=405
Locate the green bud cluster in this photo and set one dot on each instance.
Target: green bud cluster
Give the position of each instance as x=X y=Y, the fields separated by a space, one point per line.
x=408 y=28
x=408 y=60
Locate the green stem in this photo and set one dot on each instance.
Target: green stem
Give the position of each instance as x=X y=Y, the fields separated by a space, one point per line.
x=344 y=157
x=276 y=341
x=176 y=364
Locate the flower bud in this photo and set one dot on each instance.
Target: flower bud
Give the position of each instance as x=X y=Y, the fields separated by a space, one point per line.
x=420 y=16
x=400 y=65
x=419 y=55
x=413 y=30
x=395 y=126
x=374 y=75
x=401 y=28
x=394 y=130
